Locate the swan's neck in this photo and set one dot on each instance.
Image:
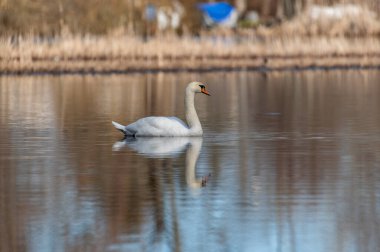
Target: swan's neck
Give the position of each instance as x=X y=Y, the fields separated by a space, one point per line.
x=191 y=114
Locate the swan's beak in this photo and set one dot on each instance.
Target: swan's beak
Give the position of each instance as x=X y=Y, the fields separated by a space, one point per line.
x=203 y=90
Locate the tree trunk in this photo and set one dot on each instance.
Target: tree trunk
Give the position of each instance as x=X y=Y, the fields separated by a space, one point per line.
x=289 y=8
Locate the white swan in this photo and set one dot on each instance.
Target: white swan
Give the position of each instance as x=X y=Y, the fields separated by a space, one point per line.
x=169 y=126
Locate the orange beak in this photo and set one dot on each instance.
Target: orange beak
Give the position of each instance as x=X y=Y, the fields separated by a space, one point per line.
x=203 y=90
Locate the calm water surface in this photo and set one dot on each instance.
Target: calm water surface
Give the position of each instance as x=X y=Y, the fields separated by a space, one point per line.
x=289 y=162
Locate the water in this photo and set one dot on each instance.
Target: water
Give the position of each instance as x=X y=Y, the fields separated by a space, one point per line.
x=289 y=162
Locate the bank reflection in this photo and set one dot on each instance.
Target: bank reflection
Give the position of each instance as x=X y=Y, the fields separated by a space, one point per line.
x=294 y=159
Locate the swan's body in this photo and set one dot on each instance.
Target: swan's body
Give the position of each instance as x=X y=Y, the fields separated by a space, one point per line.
x=156 y=126
x=169 y=126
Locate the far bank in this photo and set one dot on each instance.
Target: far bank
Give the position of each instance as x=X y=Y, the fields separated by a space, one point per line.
x=105 y=54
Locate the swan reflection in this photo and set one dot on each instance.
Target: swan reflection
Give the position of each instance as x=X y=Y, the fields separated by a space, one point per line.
x=158 y=147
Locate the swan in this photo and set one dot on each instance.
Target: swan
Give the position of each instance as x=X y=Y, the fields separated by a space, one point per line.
x=169 y=126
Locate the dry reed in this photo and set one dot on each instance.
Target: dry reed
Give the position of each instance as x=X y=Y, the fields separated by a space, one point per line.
x=128 y=53
x=308 y=40
x=337 y=20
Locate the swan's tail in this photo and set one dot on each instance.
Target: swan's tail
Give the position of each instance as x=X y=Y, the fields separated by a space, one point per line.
x=119 y=127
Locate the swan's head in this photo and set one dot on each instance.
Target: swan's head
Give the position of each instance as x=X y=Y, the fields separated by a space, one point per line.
x=198 y=87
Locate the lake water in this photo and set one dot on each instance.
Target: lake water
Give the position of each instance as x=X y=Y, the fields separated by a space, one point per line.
x=288 y=162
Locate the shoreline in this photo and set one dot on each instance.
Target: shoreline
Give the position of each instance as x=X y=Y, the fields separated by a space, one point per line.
x=194 y=70
x=126 y=54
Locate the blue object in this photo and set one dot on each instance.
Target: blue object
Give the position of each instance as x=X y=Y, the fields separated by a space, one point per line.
x=150 y=12
x=218 y=12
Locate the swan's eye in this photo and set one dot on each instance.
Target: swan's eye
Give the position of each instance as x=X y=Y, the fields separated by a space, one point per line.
x=202 y=86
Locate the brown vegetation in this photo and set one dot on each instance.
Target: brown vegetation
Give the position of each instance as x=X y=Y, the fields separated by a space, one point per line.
x=347 y=20
x=52 y=17
x=125 y=53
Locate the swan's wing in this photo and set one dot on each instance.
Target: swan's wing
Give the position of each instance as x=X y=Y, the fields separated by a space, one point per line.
x=178 y=120
x=158 y=126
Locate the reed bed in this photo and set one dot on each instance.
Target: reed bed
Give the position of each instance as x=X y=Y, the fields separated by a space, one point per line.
x=346 y=34
x=130 y=53
x=347 y=20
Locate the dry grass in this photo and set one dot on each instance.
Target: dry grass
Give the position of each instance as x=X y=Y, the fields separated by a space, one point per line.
x=337 y=20
x=127 y=53
x=308 y=40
